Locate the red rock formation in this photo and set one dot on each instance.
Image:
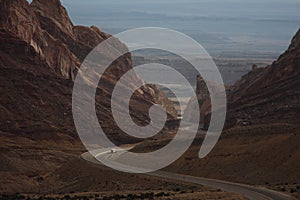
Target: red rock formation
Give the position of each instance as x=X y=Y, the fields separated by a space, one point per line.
x=19 y=18
x=40 y=53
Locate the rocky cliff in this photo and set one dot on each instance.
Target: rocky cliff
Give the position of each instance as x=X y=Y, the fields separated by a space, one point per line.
x=39 y=41
x=264 y=95
x=260 y=143
x=270 y=94
x=203 y=100
x=40 y=53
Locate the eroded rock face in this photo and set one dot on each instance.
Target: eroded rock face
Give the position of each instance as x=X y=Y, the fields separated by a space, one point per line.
x=52 y=13
x=39 y=41
x=202 y=99
x=264 y=95
x=19 y=17
x=271 y=94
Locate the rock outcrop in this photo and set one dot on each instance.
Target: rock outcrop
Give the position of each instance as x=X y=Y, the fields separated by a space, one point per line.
x=19 y=18
x=203 y=100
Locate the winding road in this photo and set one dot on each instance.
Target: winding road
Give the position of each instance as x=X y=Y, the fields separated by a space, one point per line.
x=250 y=192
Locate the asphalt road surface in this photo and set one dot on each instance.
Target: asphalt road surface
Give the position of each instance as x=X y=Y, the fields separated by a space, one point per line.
x=250 y=192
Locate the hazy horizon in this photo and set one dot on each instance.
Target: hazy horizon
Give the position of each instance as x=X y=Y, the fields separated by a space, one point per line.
x=221 y=27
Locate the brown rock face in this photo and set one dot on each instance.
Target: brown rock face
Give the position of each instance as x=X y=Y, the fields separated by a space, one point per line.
x=40 y=53
x=271 y=94
x=264 y=95
x=34 y=100
x=18 y=17
x=55 y=15
x=203 y=100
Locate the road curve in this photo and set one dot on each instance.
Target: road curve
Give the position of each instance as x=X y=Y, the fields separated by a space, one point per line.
x=250 y=192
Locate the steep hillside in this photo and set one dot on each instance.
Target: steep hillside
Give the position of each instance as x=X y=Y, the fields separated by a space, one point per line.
x=40 y=53
x=260 y=144
x=40 y=39
x=271 y=94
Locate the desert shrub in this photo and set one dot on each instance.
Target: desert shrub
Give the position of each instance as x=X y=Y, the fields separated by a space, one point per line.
x=293 y=190
x=117 y=197
x=167 y=194
x=105 y=198
x=161 y=194
x=19 y=197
